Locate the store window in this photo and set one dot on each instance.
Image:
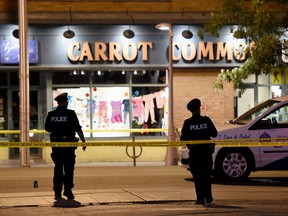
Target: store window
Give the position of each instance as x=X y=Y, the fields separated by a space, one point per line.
x=116 y=101
x=262 y=87
x=263 y=79
x=71 y=77
x=3 y=111
x=112 y=111
x=110 y=77
x=34 y=78
x=3 y=79
x=149 y=108
x=153 y=77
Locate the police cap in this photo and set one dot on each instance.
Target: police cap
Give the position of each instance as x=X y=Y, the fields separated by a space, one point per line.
x=62 y=97
x=194 y=105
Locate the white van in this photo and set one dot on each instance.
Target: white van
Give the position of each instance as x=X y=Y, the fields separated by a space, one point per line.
x=266 y=120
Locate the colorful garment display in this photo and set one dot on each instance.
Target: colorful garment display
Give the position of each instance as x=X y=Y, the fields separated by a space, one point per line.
x=149 y=107
x=138 y=109
x=116 y=111
x=126 y=109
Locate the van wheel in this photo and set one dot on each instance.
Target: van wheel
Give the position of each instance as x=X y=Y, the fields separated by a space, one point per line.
x=233 y=164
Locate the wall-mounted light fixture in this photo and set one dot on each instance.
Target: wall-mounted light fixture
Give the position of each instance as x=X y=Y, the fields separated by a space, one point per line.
x=69 y=33
x=15 y=33
x=128 y=33
x=164 y=27
x=187 y=33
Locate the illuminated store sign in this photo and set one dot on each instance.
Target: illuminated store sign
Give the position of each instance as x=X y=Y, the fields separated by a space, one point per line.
x=116 y=52
x=113 y=51
x=10 y=51
x=209 y=50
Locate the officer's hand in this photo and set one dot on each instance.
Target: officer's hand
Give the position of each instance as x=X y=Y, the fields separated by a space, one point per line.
x=84 y=148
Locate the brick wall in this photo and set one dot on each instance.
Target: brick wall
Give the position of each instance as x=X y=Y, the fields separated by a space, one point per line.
x=191 y=83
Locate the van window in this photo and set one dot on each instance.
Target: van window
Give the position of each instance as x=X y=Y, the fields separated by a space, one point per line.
x=254 y=112
x=276 y=119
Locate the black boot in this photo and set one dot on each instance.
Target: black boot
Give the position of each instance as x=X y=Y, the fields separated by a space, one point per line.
x=68 y=193
x=57 y=195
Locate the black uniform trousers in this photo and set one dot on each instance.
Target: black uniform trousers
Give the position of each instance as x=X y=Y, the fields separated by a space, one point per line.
x=201 y=168
x=64 y=160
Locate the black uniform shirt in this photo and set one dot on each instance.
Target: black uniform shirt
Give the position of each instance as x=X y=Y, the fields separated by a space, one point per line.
x=62 y=122
x=198 y=128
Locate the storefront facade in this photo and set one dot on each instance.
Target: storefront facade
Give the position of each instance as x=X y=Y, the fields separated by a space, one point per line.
x=117 y=83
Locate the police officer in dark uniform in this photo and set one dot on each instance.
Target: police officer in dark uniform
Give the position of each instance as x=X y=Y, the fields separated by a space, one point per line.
x=62 y=124
x=200 y=127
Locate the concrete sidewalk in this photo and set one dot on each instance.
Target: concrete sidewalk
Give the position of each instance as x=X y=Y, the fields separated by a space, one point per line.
x=146 y=195
x=96 y=197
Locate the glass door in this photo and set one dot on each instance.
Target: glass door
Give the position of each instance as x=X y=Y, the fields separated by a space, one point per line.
x=34 y=152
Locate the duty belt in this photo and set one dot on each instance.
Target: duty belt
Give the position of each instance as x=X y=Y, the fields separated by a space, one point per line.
x=55 y=137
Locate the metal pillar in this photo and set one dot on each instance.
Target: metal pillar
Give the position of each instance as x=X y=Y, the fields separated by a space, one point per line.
x=171 y=154
x=24 y=82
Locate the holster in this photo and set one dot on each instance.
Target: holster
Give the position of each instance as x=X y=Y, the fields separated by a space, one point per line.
x=54 y=138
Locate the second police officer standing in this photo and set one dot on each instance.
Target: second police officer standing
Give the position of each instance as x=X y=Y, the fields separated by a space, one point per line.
x=62 y=124
x=200 y=127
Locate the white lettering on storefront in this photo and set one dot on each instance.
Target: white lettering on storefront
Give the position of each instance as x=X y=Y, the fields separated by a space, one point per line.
x=114 y=51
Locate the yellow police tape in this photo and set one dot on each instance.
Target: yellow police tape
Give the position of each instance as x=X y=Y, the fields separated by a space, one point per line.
x=219 y=143
x=35 y=131
x=151 y=143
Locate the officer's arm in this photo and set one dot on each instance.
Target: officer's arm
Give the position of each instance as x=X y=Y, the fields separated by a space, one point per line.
x=213 y=129
x=47 y=123
x=184 y=132
x=81 y=135
x=78 y=128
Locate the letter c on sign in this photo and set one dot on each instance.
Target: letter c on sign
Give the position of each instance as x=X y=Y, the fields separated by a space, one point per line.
x=70 y=51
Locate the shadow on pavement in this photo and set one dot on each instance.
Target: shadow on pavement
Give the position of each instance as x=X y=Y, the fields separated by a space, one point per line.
x=63 y=203
x=219 y=206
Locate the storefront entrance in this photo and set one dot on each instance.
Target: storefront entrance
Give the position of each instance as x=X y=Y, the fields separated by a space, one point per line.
x=14 y=153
